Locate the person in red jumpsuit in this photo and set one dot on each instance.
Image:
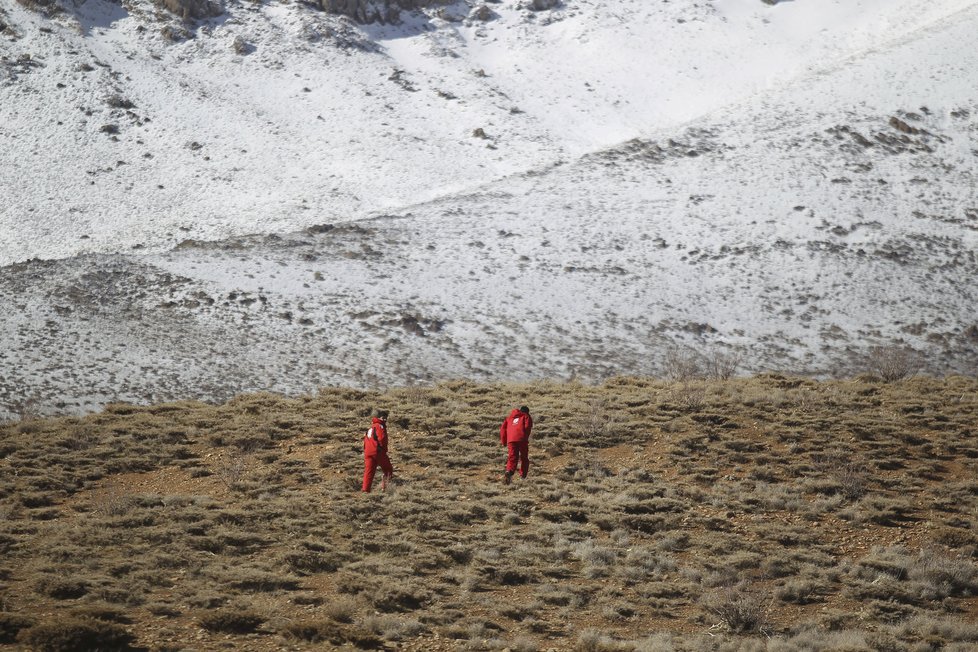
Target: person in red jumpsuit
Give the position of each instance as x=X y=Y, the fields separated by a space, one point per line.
x=515 y=433
x=375 y=452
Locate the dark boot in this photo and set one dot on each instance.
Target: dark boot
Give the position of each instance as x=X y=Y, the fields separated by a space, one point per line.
x=508 y=477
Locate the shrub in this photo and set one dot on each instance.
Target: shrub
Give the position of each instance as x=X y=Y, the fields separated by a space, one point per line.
x=739 y=608
x=689 y=395
x=304 y=562
x=342 y=609
x=799 y=591
x=399 y=598
x=894 y=363
x=850 y=477
x=392 y=628
x=11 y=624
x=315 y=632
x=231 y=621
x=62 y=588
x=596 y=423
x=945 y=576
x=232 y=470
x=71 y=634
x=591 y=640
x=723 y=366
x=682 y=365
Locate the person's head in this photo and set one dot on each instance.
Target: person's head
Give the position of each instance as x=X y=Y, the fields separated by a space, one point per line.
x=379 y=414
x=524 y=409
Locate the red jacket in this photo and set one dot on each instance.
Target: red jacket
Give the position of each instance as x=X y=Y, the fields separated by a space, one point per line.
x=376 y=438
x=516 y=427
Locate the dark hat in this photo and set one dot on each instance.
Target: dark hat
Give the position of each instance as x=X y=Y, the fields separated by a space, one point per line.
x=524 y=409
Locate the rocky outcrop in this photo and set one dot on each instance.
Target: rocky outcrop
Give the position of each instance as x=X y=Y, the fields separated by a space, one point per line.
x=541 y=5
x=193 y=9
x=373 y=11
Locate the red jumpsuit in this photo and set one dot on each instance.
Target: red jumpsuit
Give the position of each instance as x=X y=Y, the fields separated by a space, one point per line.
x=515 y=433
x=375 y=453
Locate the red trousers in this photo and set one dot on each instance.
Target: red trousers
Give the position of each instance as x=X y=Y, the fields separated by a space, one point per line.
x=370 y=463
x=521 y=450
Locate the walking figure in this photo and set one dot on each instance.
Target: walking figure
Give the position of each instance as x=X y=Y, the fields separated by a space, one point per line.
x=515 y=433
x=375 y=451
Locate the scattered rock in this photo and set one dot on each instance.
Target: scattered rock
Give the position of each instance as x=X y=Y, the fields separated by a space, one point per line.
x=241 y=46
x=175 y=33
x=119 y=102
x=372 y=11
x=193 y=9
x=479 y=132
x=398 y=78
x=902 y=126
x=482 y=13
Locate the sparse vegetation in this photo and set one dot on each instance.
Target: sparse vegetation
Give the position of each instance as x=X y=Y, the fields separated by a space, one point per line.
x=771 y=513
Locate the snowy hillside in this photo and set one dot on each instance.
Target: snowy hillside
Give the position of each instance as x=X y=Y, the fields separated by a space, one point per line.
x=285 y=199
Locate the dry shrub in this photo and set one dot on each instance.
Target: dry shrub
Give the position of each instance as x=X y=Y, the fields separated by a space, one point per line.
x=940 y=629
x=315 y=631
x=394 y=597
x=305 y=562
x=104 y=613
x=690 y=396
x=258 y=581
x=799 y=591
x=849 y=477
x=596 y=423
x=73 y=634
x=682 y=365
x=739 y=608
x=596 y=561
x=722 y=365
x=943 y=575
x=112 y=502
x=392 y=628
x=324 y=631
x=894 y=363
x=592 y=640
x=232 y=621
x=62 y=588
x=889 y=512
x=11 y=625
x=342 y=609
x=232 y=471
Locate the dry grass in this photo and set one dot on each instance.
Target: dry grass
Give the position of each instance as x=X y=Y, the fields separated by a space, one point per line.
x=768 y=513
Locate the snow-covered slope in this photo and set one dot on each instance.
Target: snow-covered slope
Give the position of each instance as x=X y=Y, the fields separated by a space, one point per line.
x=794 y=181
x=324 y=122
